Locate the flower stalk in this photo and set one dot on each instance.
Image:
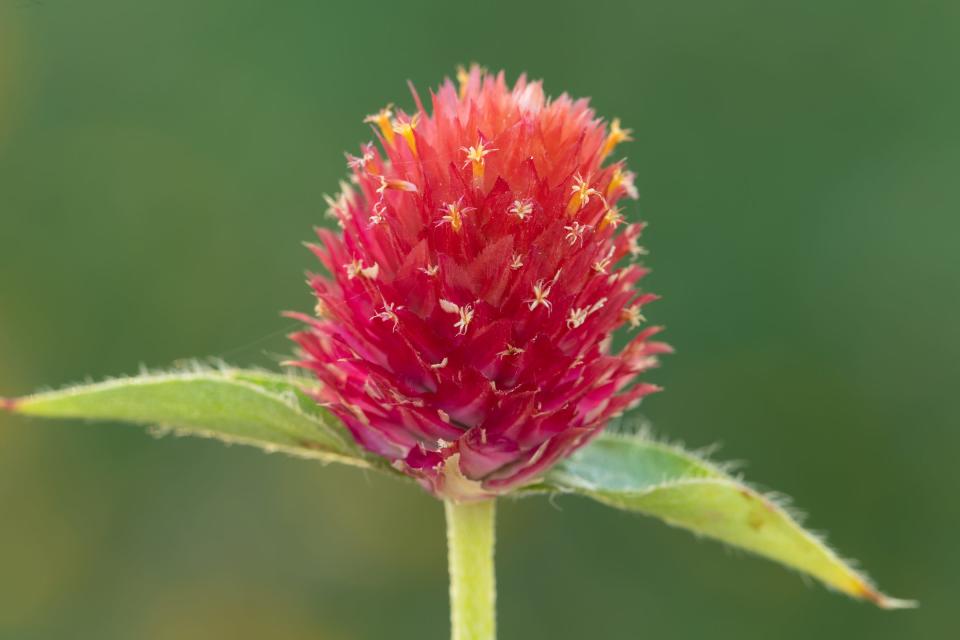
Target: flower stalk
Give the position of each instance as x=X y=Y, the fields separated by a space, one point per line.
x=473 y=594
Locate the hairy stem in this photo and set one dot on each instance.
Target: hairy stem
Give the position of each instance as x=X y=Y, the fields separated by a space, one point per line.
x=473 y=591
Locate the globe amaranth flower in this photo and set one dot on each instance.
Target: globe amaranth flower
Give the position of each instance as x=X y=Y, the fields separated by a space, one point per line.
x=464 y=330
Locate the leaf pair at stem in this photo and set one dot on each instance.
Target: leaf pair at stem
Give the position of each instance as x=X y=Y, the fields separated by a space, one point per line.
x=630 y=472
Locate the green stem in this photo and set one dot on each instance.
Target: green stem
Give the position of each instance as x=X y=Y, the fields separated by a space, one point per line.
x=473 y=592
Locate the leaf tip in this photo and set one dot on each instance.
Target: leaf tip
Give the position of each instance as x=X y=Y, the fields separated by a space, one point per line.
x=868 y=593
x=9 y=404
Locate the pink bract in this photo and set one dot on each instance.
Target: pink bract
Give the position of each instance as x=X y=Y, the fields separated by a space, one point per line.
x=482 y=266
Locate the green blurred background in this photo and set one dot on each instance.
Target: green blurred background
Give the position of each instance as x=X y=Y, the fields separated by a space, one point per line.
x=161 y=161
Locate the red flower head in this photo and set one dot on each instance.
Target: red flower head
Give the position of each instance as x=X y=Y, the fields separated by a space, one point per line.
x=464 y=330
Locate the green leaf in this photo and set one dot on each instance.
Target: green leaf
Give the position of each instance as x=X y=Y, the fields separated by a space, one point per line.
x=638 y=474
x=277 y=413
x=271 y=411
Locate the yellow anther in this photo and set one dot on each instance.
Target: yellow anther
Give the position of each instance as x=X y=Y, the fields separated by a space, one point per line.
x=463 y=77
x=465 y=314
x=405 y=129
x=581 y=194
x=632 y=316
x=612 y=217
x=621 y=178
x=521 y=209
x=516 y=262
x=382 y=120
x=321 y=309
x=475 y=156
x=540 y=293
x=510 y=351
x=440 y=365
x=454 y=215
x=466 y=317
x=615 y=137
x=615 y=181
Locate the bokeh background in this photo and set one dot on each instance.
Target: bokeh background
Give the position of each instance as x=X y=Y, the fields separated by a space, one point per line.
x=162 y=160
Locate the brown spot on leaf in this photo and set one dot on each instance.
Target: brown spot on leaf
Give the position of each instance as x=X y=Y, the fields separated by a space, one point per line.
x=756 y=521
x=309 y=444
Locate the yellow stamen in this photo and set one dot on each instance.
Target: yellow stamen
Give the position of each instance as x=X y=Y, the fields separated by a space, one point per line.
x=360 y=163
x=356 y=269
x=621 y=178
x=521 y=209
x=579 y=315
x=601 y=265
x=389 y=314
x=475 y=156
x=581 y=193
x=575 y=232
x=465 y=314
x=615 y=181
x=454 y=215
x=612 y=217
x=405 y=129
x=615 y=137
x=540 y=293
x=382 y=120
x=431 y=270
x=463 y=77
x=510 y=351
x=632 y=316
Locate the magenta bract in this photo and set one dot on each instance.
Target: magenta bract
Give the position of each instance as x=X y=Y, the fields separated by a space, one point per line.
x=464 y=329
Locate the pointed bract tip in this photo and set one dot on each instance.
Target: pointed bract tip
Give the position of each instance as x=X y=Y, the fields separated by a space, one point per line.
x=9 y=404
x=870 y=594
x=895 y=603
